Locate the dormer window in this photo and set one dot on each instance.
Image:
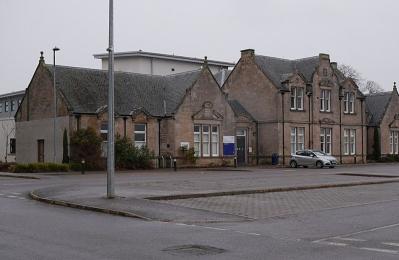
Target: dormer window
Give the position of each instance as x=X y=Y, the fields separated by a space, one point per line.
x=325 y=100
x=297 y=98
x=349 y=102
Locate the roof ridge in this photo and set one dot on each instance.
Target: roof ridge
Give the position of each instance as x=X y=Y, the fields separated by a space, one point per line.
x=379 y=93
x=102 y=70
x=285 y=59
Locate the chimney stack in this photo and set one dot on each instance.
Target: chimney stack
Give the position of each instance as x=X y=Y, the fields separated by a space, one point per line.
x=247 y=53
x=394 y=87
x=334 y=65
x=324 y=56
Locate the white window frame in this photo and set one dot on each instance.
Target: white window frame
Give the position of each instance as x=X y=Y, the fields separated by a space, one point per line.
x=215 y=140
x=325 y=100
x=297 y=139
x=13 y=105
x=6 y=106
x=326 y=140
x=197 y=141
x=206 y=141
x=140 y=144
x=349 y=102
x=297 y=95
x=394 y=141
x=349 y=141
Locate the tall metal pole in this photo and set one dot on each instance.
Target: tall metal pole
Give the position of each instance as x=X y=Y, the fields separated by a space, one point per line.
x=111 y=136
x=55 y=107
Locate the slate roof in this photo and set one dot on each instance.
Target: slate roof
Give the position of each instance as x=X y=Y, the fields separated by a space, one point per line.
x=376 y=105
x=221 y=76
x=278 y=70
x=86 y=90
x=239 y=110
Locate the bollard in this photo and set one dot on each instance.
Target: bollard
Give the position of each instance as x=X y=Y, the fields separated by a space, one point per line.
x=235 y=161
x=83 y=164
x=175 y=164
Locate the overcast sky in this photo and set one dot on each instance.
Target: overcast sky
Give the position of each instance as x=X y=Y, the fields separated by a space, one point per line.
x=361 y=33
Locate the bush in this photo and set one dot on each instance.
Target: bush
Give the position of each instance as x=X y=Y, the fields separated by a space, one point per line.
x=86 y=145
x=39 y=167
x=127 y=156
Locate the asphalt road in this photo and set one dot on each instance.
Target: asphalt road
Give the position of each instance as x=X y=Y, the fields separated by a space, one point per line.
x=34 y=230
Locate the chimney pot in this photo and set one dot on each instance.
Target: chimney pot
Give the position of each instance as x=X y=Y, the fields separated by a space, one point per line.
x=334 y=65
x=41 y=57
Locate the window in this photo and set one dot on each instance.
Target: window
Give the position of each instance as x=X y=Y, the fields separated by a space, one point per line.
x=197 y=140
x=325 y=73
x=104 y=137
x=394 y=142
x=140 y=135
x=349 y=102
x=215 y=141
x=297 y=98
x=349 y=141
x=13 y=143
x=297 y=139
x=19 y=102
x=6 y=106
x=325 y=140
x=325 y=100
x=1 y=107
x=206 y=140
x=13 y=105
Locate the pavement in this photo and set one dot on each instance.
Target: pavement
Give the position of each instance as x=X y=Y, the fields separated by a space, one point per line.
x=214 y=196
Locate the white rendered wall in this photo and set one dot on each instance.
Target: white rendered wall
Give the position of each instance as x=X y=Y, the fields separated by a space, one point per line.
x=7 y=131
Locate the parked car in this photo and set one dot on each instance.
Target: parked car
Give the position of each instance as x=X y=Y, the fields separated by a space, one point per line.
x=307 y=158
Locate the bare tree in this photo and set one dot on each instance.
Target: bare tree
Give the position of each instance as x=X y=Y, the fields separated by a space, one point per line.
x=372 y=87
x=365 y=86
x=352 y=73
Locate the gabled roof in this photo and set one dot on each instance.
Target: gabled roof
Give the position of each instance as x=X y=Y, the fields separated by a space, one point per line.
x=86 y=90
x=239 y=110
x=277 y=69
x=376 y=105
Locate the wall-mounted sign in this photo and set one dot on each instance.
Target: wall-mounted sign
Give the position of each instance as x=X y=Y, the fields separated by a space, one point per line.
x=228 y=145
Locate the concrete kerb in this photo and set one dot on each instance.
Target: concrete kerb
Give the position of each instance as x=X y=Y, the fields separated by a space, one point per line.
x=37 y=197
x=19 y=176
x=270 y=190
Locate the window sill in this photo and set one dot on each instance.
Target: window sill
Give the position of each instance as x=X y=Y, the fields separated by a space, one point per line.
x=297 y=110
x=326 y=112
x=350 y=114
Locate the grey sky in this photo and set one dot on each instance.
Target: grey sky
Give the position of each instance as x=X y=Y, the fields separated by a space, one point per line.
x=363 y=34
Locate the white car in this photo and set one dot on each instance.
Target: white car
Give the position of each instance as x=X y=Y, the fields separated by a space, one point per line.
x=308 y=158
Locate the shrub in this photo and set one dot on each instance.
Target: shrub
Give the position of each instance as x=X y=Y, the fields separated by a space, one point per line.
x=189 y=154
x=127 y=156
x=39 y=167
x=86 y=145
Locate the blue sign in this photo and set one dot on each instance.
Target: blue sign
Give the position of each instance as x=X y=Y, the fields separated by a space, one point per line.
x=229 y=149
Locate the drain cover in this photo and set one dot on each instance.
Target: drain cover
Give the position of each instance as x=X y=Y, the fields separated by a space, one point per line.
x=194 y=250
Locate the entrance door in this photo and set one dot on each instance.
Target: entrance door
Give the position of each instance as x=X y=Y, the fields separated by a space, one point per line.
x=241 y=146
x=40 y=150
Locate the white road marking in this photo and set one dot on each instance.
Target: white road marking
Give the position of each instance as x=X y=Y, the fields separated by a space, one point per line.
x=331 y=243
x=350 y=239
x=391 y=244
x=214 y=228
x=1 y=194
x=11 y=196
x=380 y=250
x=16 y=193
x=218 y=229
x=252 y=234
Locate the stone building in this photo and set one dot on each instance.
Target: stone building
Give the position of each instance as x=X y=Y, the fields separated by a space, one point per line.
x=299 y=104
x=383 y=123
x=165 y=113
x=9 y=103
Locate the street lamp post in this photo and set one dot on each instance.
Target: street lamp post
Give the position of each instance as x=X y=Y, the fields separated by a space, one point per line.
x=55 y=49
x=111 y=125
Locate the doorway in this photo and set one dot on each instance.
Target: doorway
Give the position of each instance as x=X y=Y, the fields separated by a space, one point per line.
x=241 y=146
x=40 y=150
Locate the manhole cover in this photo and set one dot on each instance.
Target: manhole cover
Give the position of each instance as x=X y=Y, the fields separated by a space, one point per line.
x=194 y=250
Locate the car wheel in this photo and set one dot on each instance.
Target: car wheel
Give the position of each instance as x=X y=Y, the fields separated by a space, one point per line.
x=305 y=166
x=319 y=164
x=331 y=167
x=293 y=164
